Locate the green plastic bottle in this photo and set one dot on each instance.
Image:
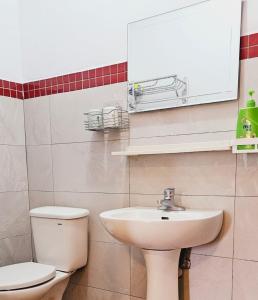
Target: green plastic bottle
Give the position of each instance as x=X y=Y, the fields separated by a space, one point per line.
x=247 y=123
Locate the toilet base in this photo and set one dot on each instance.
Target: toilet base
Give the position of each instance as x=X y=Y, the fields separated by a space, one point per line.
x=57 y=291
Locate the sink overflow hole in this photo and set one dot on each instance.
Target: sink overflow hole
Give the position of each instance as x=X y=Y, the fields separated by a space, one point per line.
x=164 y=218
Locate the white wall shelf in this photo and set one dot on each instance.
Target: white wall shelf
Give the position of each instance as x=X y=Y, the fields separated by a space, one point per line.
x=223 y=145
x=252 y=143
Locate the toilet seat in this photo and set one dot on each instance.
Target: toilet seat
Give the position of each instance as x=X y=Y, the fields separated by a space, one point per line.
x=25 y=275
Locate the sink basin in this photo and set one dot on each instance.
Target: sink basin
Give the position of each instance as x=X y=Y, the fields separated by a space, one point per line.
x=150 y=228
x=161 y=235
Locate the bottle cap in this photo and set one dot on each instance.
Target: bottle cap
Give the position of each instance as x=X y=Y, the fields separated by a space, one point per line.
x=251 y=102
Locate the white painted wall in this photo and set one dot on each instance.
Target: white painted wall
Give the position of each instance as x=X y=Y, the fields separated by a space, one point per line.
x=63 y=36
x=10 y=33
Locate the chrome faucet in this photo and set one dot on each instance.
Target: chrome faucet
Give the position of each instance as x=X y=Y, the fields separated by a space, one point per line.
x=168 y=203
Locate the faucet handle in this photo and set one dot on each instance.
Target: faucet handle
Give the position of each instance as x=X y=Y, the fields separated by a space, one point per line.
x=169 y=193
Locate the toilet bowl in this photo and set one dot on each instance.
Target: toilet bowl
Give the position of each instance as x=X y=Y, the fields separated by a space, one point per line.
x=60 y=239
x=30 y=281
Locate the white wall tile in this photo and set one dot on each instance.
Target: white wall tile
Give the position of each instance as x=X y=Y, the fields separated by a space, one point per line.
x=245 y=278
x=185 y=120
x=210 y=278
x=39 y=159
x=15 y=242
x=191 y=173
x=11 y=122
x=108 y=268
x=15 y=250
x=90 y=167
x=247 y=172
x=110 y=274
x=246 y=227
x=14 y=169
x=39 y=198
x=14 y=214
x=37 y=121
x=95 y=203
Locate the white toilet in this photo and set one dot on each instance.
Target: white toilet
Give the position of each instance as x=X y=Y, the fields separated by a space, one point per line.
x=61 y=246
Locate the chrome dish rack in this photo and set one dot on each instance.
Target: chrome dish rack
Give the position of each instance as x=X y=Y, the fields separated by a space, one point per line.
x=145 y=92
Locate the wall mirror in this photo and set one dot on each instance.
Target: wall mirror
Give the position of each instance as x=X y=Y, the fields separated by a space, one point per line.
x=185 y=57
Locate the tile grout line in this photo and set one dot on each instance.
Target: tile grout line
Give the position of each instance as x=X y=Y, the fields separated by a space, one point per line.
x=226 y=257
x=51 y=149
x=183 y=134
x=15 y=191
x=140 y=194
x=15 y=236
x=130 y=204
x=130 y=139
x=101 y=289
x=234 y=219
x=27 y=170
x=234 y=223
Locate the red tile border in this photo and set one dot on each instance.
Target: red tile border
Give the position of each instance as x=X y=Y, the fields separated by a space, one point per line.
x=244 y=41
x=95 y=77
x=249 y=46
x=253 y=39
x=244 y=53
x=76 y=81
x=253 y=52
x=11 y=89
x=65 y=83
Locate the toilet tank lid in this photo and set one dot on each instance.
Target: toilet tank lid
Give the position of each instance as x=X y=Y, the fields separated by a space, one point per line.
x=59 y=212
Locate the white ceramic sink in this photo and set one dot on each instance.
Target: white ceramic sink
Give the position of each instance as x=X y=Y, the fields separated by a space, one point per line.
x=161 y=235
x=150 y=228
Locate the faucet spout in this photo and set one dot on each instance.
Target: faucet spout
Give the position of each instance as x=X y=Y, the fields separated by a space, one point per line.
x=168 y=203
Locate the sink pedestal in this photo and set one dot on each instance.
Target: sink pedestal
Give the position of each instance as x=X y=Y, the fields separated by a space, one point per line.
x=162 y=274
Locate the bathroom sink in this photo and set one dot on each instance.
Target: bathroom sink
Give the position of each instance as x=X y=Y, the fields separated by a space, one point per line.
x=161 y=235
x=150 y=228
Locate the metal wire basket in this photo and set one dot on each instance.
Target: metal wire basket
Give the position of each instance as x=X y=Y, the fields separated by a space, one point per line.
x=106 y=119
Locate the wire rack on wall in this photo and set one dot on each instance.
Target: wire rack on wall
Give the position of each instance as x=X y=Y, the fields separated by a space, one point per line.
x=106 y=119
x=146 y=92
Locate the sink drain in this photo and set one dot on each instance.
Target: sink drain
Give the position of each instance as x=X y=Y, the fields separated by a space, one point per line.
x=164 y=218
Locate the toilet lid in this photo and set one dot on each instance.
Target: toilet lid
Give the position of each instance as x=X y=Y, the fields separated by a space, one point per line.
x=25 y=275
x=59 y=212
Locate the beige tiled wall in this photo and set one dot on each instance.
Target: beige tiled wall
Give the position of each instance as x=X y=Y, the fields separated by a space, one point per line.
x=70 y=166
x=15 y=244
x=227 y=267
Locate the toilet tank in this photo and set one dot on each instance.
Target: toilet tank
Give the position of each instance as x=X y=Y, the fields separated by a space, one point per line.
x=60 y=236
